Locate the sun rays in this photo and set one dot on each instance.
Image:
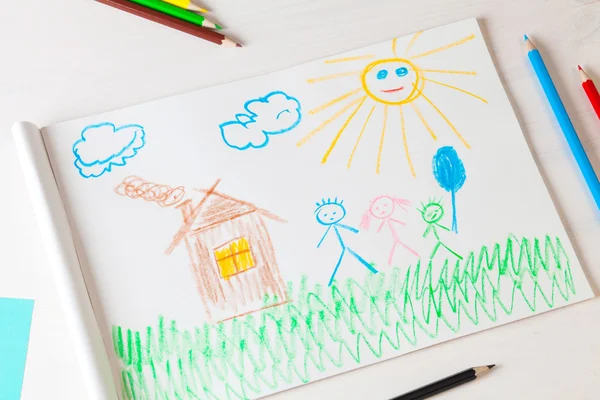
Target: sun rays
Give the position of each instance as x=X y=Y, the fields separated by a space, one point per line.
x=411 y=43
x=381 y=141
x=326 y=122
x=456 y=88
x=334 y=101
x=448 y=71
x=388 y=84
x=405 y=143
x=360 y=136
x=339 y=134
x=450 y=124
x=345 y=59
x=443 y=48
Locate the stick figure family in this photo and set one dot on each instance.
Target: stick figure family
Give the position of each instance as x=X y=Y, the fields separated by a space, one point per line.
x=386 y=212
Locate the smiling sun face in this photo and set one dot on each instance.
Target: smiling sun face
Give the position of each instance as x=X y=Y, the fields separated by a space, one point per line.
x=392 y=81
x=386 y=88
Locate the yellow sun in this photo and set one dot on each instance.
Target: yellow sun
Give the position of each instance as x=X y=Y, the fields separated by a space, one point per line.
x=390 y=82
x=380 y=89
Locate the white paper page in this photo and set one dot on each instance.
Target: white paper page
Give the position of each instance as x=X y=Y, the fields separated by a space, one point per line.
x=60 y=249
x=213 y=223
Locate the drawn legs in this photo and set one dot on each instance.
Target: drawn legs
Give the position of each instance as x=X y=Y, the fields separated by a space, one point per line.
x=435 y=249
x=362 y=260
x=391 y=256
x=355 y=255
x=452 y=251
x=337 y=266
x=396 y=243
x=437 y=246
x=408 y=248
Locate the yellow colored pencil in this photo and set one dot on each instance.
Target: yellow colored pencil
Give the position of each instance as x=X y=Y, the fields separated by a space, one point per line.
x=187 y=5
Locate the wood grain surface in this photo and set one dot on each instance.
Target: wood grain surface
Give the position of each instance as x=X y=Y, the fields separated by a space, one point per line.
x=64 y=59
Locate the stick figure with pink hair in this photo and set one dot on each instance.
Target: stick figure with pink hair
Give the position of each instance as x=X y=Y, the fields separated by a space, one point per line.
x=383 y=209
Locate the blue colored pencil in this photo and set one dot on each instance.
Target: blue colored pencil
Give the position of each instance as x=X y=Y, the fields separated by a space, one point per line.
x=563 y=119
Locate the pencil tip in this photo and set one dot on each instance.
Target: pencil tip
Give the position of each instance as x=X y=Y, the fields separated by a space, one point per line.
x=238 y=45
x=579 y=67
x=196 y=8
x=526 y=37
x=490 y=366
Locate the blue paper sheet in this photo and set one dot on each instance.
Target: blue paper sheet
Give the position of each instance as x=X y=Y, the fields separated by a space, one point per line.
x=15 y=321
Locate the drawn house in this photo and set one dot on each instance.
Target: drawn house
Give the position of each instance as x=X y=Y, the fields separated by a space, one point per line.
x=232 y=256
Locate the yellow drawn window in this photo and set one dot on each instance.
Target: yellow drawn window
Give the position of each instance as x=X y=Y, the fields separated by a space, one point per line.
x=234 y=257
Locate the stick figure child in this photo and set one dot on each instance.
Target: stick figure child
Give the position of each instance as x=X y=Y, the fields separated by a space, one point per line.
x=432 y=214
x=330 y=214
x=383 y=208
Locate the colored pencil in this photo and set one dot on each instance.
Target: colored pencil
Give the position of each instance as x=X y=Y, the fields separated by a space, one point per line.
x=445 y=384
x=171 y=22
x=563 y=119
x=187 y=5
x=177 y=12
x=590 y=90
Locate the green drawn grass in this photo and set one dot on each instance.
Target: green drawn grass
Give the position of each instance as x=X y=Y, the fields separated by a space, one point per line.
x=325 y=329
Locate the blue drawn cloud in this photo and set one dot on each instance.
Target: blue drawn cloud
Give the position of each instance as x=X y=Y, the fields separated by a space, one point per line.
x=274 y=114
x=103 y=146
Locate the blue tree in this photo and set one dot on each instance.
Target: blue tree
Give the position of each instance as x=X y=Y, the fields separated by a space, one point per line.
x=449 y=171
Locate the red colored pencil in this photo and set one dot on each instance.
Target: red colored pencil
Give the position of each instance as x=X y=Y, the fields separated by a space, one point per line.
x=590 y=90
x=171 y=22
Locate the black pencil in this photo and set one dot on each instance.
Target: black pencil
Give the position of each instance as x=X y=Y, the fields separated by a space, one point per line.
x=445 y=384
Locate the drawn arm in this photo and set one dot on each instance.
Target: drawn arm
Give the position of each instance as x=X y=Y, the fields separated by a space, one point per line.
x=443 y=227
x=381 y=226
x=324 y=236
x=348 y=228
x=398 y=222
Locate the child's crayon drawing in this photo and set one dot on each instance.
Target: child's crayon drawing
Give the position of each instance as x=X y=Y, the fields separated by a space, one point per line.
x=232 y=255
x=230 y=249
x=387 y=87
x=274 y=114
x=103 y=146
x=325 y=330
x=432 y=214
x=330 y=213
x=236 y=290
x=449 y=171
x=384 y=209
x=138 y=188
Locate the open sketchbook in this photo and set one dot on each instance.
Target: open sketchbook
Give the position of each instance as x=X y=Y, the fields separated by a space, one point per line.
x=248 y=238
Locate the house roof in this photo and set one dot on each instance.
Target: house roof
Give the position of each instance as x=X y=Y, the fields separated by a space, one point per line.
x=213 y=209
x=219 y=208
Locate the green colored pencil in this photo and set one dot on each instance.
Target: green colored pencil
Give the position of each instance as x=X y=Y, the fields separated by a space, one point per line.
x=177 y=12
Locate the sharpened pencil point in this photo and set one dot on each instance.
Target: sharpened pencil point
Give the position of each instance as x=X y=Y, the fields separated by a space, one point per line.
x=490 y=366
x=579 y=67
x=196 y=8
x=526 y=37
x=238 y=45
x=584 y=77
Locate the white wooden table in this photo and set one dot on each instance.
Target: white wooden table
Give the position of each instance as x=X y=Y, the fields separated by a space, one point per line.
x=63 y=59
